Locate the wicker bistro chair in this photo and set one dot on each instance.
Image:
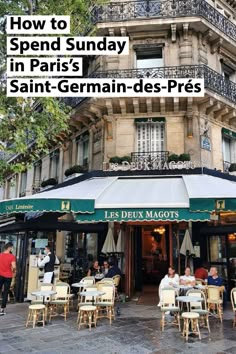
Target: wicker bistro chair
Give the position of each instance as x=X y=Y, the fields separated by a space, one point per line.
x=39 y=300
x=61 y=300
x=36 y=314
x=169 y=304
x=200 y=307
x=191 y=318
x=200 y=281
x=105 y=304
x=233 y=302
x=88 y=280
x=87 y=300
x=116 y=281
x=87 y=316
x=215 y=301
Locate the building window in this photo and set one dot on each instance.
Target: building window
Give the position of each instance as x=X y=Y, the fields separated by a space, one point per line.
x=37 y=176
x=227 y=71
x=11 y=187
x=149 y=57
x=228 y=148
x=54 y=164
x=150 y=136
x=23 y=184
x=82 y=150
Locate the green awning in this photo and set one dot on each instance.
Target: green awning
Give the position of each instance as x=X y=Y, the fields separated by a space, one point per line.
x=134 y=198
x=23 y=205
x=142 y=214
x=212 y=204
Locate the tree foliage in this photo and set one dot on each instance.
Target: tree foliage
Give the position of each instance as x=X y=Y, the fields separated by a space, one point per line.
x=28 y=126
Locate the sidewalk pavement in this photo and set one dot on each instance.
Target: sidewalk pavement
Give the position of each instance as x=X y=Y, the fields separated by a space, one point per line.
x=135 y=331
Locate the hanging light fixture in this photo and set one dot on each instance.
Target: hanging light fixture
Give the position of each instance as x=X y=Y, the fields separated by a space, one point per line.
x=160 y=230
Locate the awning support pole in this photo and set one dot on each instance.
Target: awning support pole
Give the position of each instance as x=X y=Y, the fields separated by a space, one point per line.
x=171 y=245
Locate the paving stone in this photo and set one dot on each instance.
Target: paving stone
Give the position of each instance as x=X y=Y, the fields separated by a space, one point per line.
x=137 y=331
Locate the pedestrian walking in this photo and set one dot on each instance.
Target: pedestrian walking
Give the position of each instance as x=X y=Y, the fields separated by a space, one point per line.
x=7 y=272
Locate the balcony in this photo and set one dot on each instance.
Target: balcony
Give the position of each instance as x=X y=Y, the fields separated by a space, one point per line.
x=149 y=157
x=226 y=166
x=213 y=80
x=143 y=9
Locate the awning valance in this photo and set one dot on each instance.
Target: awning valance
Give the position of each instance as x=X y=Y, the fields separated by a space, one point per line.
x=133 y=198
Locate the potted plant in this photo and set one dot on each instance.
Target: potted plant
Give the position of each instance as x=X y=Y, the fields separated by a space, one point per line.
x=119 y=160
x=73 y=170
x=115 y=159
x=49 y=182
x=184 y=157
x=173 y=157
x=232 y=169
x=126 y=158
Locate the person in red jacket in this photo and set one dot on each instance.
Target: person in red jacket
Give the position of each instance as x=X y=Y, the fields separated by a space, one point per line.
x=202 y=272
x=7 y=270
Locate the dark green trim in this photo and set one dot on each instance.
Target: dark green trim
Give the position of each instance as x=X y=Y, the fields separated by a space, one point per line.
x=140 y=214
x=153 y=120
x=210 y=204
x=228 y=133
x=47 y=205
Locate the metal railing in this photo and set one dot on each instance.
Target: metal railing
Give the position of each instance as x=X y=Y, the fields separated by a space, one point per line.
x=226 y=166
x=149 y=157
x=213 y=81
x=142 y=9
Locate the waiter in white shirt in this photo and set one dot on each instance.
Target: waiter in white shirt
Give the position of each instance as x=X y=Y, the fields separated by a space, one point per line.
x=48 y=264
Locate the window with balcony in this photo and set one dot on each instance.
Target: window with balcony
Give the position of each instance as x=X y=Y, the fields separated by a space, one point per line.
x=37 y=177
x=11 y=187
x=150 y=135
x=228 y=148
x=82 y=150
x=149 y=57
x=54 y=164
x=23 y=184
x=227 y=71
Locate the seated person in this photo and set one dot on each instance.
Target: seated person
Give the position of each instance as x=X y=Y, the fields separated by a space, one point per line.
x=94 y=269
x=187 y=278
x=202 y=272
x=113 y=270
x=105 y=267
x=215 y=280
x=170 y=279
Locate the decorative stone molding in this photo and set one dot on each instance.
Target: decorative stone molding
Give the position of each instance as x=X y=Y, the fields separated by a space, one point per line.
x=173 y=33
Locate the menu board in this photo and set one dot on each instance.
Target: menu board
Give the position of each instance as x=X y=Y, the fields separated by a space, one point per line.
x=41 y=242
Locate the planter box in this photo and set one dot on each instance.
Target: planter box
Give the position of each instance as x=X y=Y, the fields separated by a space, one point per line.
x=74 y=175
x=233 y=173
x=47 y=187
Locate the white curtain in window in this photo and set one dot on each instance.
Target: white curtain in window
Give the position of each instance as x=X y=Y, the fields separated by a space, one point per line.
x=150 y=136
x=226 y=149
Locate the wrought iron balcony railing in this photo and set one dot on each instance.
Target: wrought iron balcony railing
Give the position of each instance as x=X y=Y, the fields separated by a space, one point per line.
x=226 y=166
x=141 y=9
x=213 y=80
x=149 y=157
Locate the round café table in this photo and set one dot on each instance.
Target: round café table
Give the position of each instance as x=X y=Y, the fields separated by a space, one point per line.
x=93 y=294
x=188 y=299
x=43 y=294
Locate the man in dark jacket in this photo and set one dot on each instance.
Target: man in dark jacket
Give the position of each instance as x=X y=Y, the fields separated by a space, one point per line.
x=48 y=264
x=113 y=270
